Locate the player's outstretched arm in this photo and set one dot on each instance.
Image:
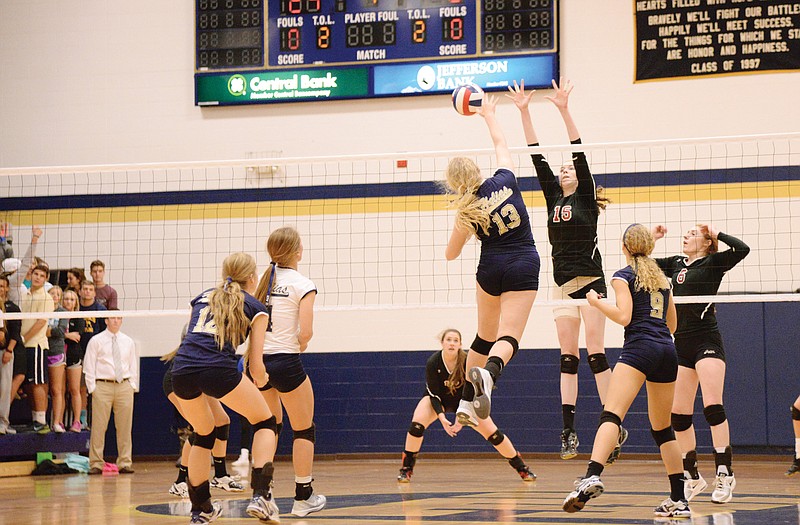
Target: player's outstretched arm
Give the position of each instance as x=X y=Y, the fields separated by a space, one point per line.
x=487 y=111
x=522 y=100
x=560 y=100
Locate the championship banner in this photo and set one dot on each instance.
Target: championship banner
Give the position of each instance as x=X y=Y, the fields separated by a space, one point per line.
x=693 y=38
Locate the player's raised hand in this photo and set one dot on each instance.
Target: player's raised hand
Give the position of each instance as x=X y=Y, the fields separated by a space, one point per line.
x=518 y=95
x=561 y=96
x=658 y=231
x=709 y=230
x=488 y=106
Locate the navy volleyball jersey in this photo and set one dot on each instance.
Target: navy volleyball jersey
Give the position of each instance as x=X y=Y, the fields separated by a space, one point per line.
x=649 y=317
x=571 y=220
x=199 y=348
x=437 y=382
x=702 y=277
x=510 y=229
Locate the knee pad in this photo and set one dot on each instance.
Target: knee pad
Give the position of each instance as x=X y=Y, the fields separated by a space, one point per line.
x=610 y=417
x=569 y=364
x=598 y=363
x=715 y=414
x=308 y=434
x=481 y=346
x=416 y=429
x=795 y=413
x=496 y=438
x=513 y=342
x=681 y=422
x=278 y=428
x=663 y=436
x=223 y=432
x=267 y=423
x=203 y=441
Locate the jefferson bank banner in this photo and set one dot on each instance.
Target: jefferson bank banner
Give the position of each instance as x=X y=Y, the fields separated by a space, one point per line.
x=692 y=38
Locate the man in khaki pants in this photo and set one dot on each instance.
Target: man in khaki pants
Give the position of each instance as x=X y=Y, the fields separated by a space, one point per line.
x=112 y=377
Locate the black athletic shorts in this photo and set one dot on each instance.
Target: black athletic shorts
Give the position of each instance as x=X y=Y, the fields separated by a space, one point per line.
x=216 y=382
x=74 y=355
x=508 y=273
x=694 y=347
x=20 y=360
x=166 y=383
x=657 y=361
x=285 y=372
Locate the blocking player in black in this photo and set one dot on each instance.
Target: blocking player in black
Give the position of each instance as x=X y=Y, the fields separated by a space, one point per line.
x=574 y=203
x=445 y=374
x=701 y=357
x=645 y=308
x=508 y=270
x=206 y=366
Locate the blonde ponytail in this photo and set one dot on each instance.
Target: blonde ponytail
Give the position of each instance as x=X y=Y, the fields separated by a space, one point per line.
x=463 y=181
x=639 y=242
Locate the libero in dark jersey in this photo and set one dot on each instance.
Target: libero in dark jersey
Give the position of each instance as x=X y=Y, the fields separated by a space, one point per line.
x=508 y=271
x=643 y=305
x=701 y=356
x=573 y=203
x=205 y=366
x=445 y=374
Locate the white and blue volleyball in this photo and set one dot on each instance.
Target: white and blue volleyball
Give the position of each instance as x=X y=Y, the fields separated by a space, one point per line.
x=467 y=99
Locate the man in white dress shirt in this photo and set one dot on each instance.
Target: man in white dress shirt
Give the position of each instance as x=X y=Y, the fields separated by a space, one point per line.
x=111 y=366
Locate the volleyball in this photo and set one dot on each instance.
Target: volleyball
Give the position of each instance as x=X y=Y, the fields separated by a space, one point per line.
x=467 y=99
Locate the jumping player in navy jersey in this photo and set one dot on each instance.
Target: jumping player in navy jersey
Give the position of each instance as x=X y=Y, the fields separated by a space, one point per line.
x=701 y=357
x=206 y=366
x=508 y=269
x=645 y=308
x=445 y=374
x=574 y=203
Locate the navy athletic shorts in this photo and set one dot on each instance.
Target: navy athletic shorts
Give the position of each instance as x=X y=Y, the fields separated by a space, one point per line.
x=657 y=361
x=216 y=382
x=508 y=273
x=694 y=347
x=166 y=383
x=285 y=371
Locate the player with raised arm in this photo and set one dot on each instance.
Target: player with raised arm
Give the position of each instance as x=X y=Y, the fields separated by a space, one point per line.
x=508 y=270
x=574 y=203
x=701 y=357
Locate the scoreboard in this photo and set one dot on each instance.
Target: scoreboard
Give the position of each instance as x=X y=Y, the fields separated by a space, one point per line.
x=259 y=51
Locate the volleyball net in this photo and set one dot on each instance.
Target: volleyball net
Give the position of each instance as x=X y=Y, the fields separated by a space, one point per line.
x=374 y=227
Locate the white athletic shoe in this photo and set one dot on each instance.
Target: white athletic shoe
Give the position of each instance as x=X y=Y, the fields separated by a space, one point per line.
x=207 y=517
x=180 y=490
x=227 y=483
x=466 y=414
x=723 y=488
x=305 y=507
x=264 y=509
x=244 y=459
x=585 y=489
x=483 y=383
x=693 y=487
x=673 y=509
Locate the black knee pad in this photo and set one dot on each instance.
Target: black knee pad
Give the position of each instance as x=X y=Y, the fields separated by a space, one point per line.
x=203 y=441
x=222 y=432
x=663 y=436
x=715 y=414
x=795 y=413
x=278 y=428
x=416 y=429
x=513 y=342
x=569 y=364
x=681 y=422
x=308 y=434
x=481 y=346
x=267 y=423
x=610 y=417
x=496 y=438
x=598 y=363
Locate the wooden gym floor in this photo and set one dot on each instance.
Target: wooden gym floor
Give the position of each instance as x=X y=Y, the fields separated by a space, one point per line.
x=443 y=491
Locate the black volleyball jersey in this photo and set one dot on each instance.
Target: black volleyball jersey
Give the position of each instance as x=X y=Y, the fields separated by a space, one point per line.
x=437 y=382
x=510 y=228
x=702 y=277
x=649 y=315
x=571 y=220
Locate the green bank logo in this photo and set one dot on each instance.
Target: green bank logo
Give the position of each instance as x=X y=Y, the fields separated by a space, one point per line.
x=237 y=85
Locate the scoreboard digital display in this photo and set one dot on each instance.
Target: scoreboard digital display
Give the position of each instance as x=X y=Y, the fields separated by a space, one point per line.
x=256 y=51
